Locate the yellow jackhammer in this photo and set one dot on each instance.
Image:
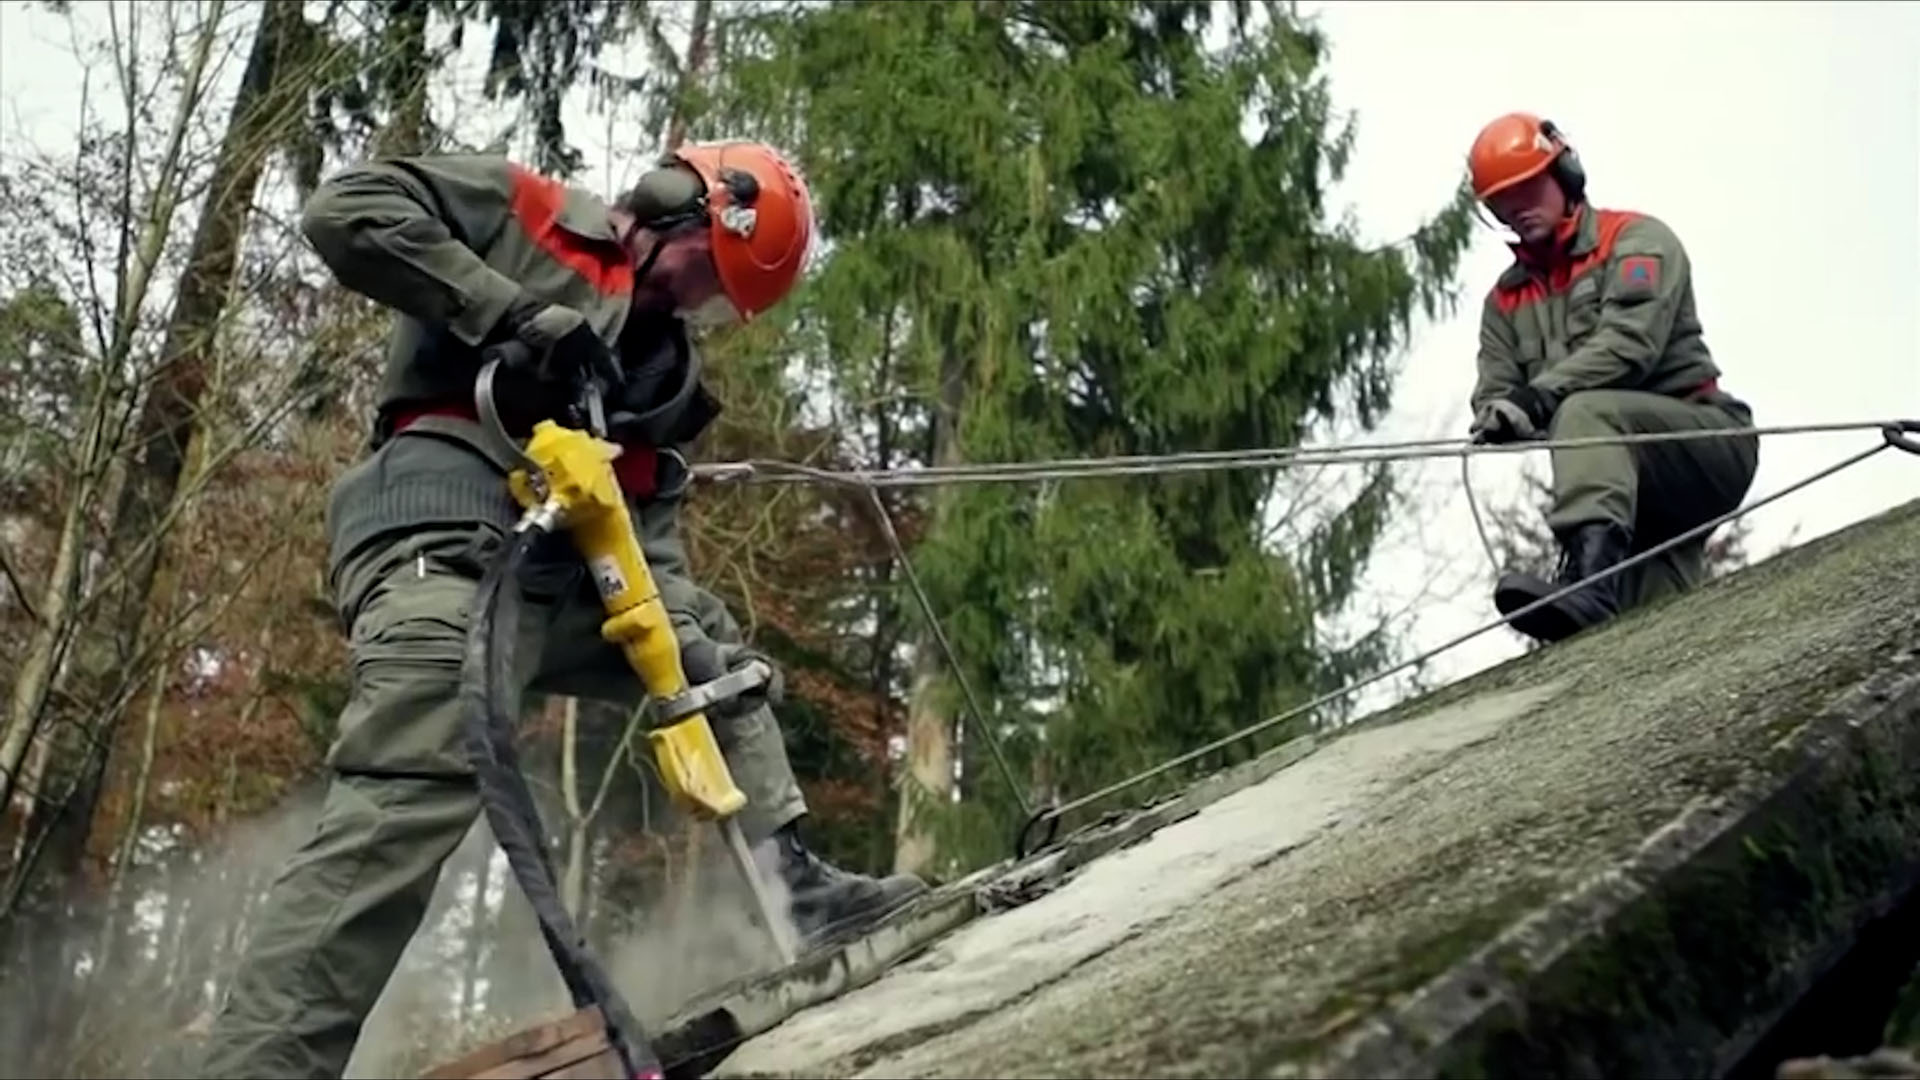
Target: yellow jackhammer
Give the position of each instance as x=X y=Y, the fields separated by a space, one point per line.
x=567 y=483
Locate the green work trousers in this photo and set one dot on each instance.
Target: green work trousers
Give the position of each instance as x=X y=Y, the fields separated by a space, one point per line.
x=1655 y=490
x=402 y=796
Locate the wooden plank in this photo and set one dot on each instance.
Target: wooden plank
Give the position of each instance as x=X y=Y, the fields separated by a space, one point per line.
x=602 y=1066
x=545 y=1062
x=574 y=1046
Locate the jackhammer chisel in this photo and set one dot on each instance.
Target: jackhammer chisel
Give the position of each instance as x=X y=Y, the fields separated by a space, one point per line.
x=568 y=483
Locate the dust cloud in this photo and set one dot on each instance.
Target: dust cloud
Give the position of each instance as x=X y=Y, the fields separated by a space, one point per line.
x=464 y=982
x=127 y=985
x=130 y=988
x=709 y=935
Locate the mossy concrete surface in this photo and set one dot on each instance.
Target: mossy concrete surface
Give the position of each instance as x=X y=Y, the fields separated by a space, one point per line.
x=1624 y=855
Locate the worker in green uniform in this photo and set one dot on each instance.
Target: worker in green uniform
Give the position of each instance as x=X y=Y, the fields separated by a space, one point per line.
x=472 y=251
x=1592 y=332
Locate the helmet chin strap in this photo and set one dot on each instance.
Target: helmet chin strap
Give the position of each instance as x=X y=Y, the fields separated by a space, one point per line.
x=666 y=201
x=716 y=312
x=1510 y=235
x=682 y=212
x=653 y=256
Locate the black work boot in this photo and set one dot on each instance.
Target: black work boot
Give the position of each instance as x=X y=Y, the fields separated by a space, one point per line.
x=1584 y=551
x=828 y=902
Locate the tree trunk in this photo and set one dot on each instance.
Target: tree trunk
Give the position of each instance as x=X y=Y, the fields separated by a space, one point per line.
x=929 y=766
x=28 y=793
x=120 y=898
x=404 y=85
x=266 y=105
x=699 y=47
x=34 y=678
x=46 y=650
x=174 y=949
x=930 y=733
x=574 y=876
x=479 y=921
x=168 y=424
x=109 y=978
x=886 y=605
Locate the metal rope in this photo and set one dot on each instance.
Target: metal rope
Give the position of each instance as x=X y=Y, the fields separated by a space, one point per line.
x=1894 y=433
x=946 y=647
x=778 y=472
x=1473 y=504
x=1054 y=813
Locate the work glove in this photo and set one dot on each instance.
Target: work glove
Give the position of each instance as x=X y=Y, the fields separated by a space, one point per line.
x=565 y=348
x=1523 y=412
x=705 y=660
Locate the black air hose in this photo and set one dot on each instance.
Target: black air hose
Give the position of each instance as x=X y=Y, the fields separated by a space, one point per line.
x=490 y=701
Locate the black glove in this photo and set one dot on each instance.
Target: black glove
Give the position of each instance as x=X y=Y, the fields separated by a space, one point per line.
x=1521 y=413
x=1536 y=403
x=565 y=348
x=705 y=660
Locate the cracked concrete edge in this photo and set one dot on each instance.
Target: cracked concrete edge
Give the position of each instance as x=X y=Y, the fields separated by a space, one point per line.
x=753 y=1007
x=851 y=966
x=1678 y=960
x=1113 y=834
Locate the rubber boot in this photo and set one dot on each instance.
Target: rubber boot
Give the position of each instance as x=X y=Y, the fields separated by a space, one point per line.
x=1584 y=551
x=828 y=902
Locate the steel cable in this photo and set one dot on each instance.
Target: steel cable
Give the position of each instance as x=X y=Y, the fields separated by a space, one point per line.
x=786 y=472
x=1895 y=434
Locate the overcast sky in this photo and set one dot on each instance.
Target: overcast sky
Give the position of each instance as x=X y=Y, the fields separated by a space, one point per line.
x=1780 y=140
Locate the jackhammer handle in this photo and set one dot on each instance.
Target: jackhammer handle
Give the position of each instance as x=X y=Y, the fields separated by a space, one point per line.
x=512 y=353
x=588 y=390
x=509 y=355
x=708 y=694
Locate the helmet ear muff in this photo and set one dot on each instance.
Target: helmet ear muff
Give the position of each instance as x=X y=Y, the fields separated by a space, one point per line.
x=1566 y=168
x=667 y=198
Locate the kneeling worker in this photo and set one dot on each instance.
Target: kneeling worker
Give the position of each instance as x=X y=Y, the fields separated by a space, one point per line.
x=1592 y=332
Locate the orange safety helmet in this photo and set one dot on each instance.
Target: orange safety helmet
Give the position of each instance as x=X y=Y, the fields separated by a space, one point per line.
x=761 y=217
x=1518 y=147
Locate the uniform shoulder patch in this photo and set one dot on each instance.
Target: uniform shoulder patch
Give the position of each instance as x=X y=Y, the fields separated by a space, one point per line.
x=1639 y=276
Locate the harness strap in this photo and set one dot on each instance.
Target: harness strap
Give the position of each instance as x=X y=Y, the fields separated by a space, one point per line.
x=637 y=468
